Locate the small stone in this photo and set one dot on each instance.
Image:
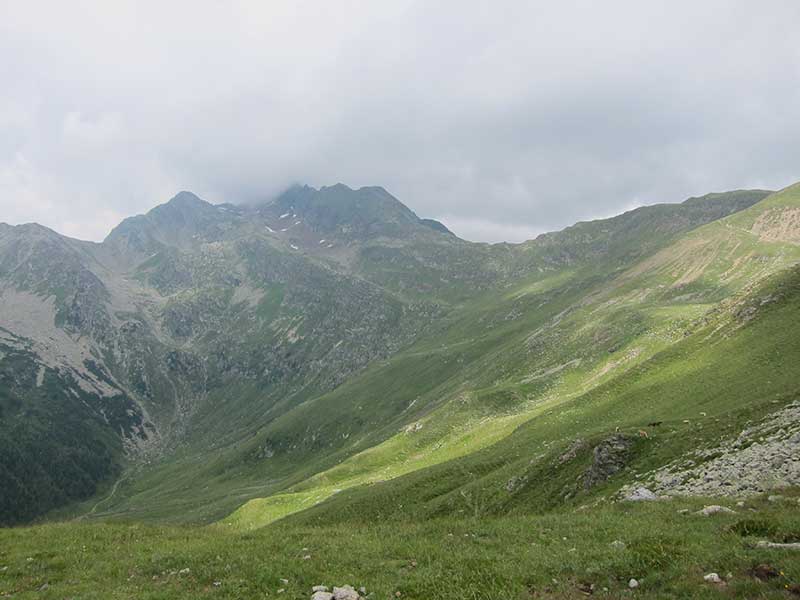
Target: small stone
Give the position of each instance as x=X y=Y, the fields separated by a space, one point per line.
x=618 y=545
x=280 y=591
x=284 y=581
x=740 y=504
x=714 y=509
x=712 y=578
x=633 y=584
x=764 y=572
x=217 y=583
x=775 y=498
x=319 y=588
x=307 y=557
x=586 y=588
x=778 y=545
x=185 y=571
x=320 y=595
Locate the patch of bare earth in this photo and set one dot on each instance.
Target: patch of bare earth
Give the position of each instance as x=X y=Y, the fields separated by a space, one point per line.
x=778 y=225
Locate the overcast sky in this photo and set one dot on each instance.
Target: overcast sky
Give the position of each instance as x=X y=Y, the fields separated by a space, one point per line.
x=503 y=119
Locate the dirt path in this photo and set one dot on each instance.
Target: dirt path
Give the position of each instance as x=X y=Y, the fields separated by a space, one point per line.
x=104 y=499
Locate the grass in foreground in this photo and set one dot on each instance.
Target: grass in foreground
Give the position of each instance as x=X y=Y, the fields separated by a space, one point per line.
x=551 y=556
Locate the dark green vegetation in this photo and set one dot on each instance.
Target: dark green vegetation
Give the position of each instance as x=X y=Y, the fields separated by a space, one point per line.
x=329 y=370
x=56 y=446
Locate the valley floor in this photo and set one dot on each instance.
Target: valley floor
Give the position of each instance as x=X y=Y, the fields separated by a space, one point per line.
x=664 y=545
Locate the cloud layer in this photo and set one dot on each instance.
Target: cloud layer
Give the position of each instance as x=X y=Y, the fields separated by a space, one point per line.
x=502 y=119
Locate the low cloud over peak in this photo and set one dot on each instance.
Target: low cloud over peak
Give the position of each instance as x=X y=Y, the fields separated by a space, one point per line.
x=502 y=121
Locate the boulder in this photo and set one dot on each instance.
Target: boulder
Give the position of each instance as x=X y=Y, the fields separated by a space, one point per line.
x=609 y=457
x=714 y=509
x=640 y=494
x=345 y=592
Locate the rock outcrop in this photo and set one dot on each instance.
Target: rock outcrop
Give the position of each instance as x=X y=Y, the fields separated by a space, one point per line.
x=763 y=457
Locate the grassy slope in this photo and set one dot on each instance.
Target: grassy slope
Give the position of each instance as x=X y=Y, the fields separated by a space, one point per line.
x=582 y=355
x=454 y=369
x=513 y=557
x=738 y=374
x=477 y=375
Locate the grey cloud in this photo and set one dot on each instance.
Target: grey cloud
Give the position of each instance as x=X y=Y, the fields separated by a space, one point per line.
x=502 y=119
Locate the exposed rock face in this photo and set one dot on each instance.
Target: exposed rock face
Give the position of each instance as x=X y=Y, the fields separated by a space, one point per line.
x=763 y=457
x=610 y=457
x=572 y=451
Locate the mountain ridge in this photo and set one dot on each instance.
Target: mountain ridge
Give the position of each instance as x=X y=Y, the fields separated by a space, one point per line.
x=246 y=326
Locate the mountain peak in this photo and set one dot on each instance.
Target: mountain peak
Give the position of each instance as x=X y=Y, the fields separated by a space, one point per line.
x=182 y=201
x=365 y=212
x=176 y=222
x=186 y=198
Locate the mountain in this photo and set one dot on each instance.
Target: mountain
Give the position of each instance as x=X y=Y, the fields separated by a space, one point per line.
x=232 y=351
x=356 y=393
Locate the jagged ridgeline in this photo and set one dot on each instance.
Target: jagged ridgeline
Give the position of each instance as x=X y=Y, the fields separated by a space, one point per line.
x=204 y=355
